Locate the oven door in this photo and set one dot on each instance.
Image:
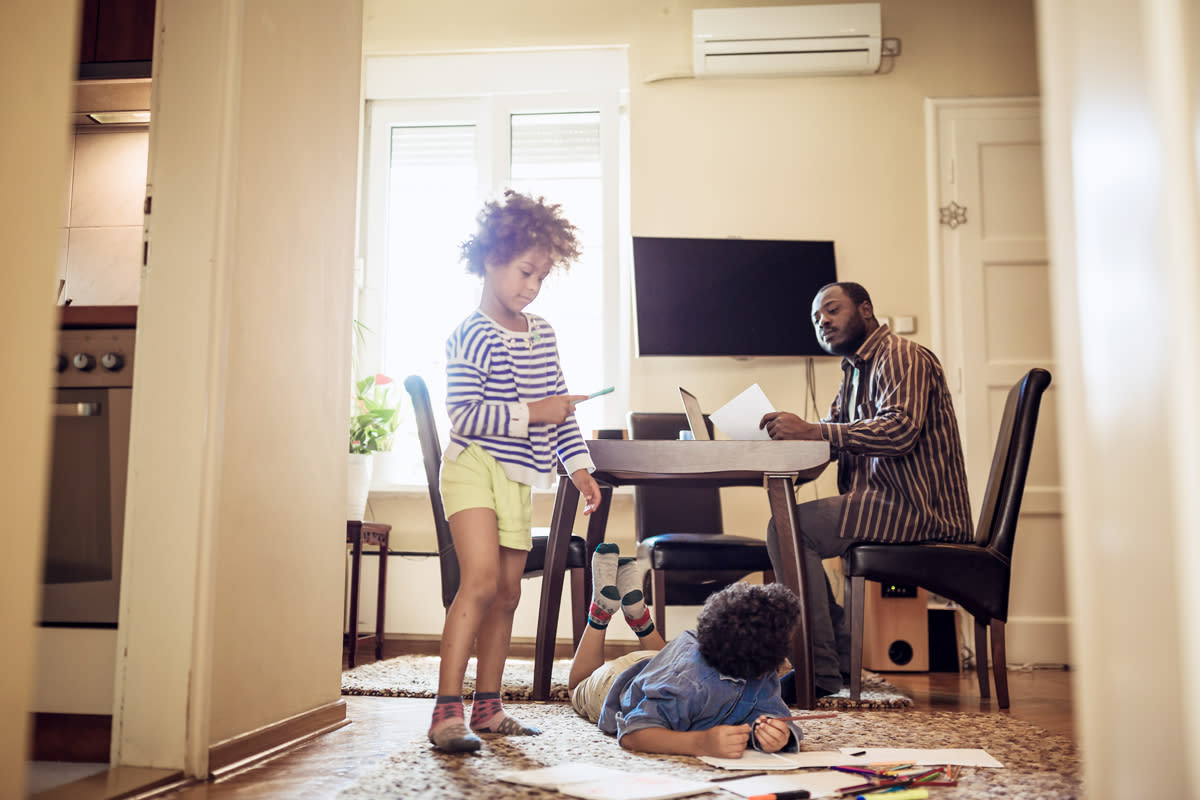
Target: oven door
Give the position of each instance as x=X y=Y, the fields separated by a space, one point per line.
x=86 y=514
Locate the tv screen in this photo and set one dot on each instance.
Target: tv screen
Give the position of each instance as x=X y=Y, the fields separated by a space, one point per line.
x=728 y=297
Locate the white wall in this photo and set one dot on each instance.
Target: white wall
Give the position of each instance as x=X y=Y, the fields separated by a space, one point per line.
x=37 y=42
x=825 y=158
x=1122 y=121
x=235 y=517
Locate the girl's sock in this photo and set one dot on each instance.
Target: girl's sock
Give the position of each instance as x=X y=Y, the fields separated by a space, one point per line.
x=487 y=716
x=631 y=574
x=606 y=598
x=447 y=731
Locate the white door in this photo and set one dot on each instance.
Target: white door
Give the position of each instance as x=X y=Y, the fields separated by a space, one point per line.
x=992 y=288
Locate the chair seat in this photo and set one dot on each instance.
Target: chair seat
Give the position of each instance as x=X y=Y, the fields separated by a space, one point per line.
x=535 y=562
x=700 y=551
x=972 y=576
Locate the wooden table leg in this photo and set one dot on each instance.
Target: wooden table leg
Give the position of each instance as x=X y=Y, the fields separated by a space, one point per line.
x=561 y=521
x=783 y=509
x=381 y=599
x=355 y=567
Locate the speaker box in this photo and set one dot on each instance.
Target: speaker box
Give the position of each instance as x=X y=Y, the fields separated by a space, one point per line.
x=896 y=629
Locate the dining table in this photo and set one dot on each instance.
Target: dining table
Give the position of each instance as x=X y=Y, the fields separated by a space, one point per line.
x=777 y=466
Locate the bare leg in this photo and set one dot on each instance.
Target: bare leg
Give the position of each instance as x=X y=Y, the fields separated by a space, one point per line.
x=477 y=545
x=495 y=632
x=492 y=644
x=589 y=655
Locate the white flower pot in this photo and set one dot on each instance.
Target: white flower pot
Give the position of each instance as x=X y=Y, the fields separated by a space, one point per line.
x=359 y=484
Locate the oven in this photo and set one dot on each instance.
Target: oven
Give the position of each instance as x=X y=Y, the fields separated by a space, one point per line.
x=86 y=506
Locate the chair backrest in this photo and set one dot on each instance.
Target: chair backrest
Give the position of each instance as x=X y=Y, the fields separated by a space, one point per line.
x=431 y=450
x=1010 y=464
x=663 y=509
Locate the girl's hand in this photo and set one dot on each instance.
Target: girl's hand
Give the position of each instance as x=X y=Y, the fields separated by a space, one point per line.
x=587 y=487
x=725 y=741
x=554 y=410
x=771 y=734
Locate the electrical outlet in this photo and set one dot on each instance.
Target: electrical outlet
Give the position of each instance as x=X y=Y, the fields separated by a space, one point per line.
x=889 y=47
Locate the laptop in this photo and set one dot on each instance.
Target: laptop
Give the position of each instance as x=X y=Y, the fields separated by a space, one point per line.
x=695 y=417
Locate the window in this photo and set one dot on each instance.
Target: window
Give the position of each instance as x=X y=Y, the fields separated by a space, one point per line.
x=430 y=163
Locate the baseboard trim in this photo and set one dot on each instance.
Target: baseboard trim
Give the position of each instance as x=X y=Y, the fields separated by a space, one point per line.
x=239 y=751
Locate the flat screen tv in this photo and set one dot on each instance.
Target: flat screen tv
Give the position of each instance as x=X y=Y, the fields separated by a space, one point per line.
x=728 y=297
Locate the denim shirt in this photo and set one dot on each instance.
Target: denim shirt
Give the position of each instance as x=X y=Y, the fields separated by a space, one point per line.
x=678 y=690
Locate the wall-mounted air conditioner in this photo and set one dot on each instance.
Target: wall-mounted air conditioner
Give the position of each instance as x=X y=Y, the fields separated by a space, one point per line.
x=786 y=40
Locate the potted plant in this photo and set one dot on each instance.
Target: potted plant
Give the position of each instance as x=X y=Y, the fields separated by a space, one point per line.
x=374 y=417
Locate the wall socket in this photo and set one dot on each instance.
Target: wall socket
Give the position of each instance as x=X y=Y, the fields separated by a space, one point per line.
x=889 y=47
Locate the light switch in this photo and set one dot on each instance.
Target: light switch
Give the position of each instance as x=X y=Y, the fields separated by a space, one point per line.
x=906 y=325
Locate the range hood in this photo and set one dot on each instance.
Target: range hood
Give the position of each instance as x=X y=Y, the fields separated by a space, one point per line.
x=95 y=100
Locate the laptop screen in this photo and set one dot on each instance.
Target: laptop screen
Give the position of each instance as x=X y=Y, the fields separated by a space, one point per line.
x=695 y=417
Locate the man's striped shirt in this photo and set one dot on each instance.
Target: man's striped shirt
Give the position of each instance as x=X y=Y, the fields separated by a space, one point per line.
x=900 y=461
x=492 y=374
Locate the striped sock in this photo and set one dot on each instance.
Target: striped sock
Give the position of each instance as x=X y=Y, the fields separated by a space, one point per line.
x=631 y=574
x=606 y=599
x=487 y=716
x=447 y=731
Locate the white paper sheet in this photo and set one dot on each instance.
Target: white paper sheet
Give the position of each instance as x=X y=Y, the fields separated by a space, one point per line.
x=960 y=757
x=825 y=783
x=757 y=760
x=739 y=418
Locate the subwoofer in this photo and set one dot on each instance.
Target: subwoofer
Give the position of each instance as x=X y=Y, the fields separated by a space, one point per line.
x=896 y=628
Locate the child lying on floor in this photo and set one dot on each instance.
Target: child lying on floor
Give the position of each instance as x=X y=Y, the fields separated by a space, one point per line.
x=710 y=692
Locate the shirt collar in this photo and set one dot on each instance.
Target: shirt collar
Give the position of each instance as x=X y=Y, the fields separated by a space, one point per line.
x=867 y=350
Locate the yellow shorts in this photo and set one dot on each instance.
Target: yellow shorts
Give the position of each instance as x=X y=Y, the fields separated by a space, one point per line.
x=476 y=480
x=587 y=698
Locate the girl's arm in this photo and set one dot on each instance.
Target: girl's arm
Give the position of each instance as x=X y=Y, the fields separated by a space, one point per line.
x=721 y=741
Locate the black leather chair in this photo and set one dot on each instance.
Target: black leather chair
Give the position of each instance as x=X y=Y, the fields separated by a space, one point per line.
x=976 y=576
x=577 y=562
x=681 y=535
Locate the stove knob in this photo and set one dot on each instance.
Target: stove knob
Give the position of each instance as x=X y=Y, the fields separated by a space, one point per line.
x=60 y=363
x=84 y=362
x=112 y=361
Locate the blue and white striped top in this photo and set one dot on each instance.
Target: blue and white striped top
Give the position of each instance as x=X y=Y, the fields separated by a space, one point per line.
x=492 y=374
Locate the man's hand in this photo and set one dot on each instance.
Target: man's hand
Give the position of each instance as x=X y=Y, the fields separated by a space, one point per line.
x=785 y=425
x=587 y=487
x=554 y=410
x=771 y=734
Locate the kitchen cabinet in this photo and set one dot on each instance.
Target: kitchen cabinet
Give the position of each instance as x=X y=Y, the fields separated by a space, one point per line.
x=116 y=38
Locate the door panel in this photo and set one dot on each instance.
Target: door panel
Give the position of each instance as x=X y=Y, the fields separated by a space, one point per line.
x=992 y=272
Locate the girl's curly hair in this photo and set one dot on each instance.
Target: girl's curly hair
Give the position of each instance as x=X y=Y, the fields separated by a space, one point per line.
x=512 y=225
x=745 y=630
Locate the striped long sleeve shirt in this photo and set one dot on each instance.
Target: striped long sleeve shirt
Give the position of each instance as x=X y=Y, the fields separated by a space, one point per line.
x=893 y=430
x=492 y=374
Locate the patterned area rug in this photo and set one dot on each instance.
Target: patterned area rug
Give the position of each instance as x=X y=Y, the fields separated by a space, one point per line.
x=1038 y=765
x=416 y=676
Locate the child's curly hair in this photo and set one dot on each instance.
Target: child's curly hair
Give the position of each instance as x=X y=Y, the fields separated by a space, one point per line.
x=512 y=225
x=745 y=630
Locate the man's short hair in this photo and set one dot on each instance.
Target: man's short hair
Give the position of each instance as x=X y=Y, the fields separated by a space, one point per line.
x=855 y=291
x=745 y=630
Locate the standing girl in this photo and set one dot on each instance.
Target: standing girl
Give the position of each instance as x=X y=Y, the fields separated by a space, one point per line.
x=510 y=415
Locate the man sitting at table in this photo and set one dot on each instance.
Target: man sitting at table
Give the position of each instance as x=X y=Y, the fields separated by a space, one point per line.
x=901 y=476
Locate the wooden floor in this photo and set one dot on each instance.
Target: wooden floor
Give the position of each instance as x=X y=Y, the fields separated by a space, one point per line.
x=330 y=763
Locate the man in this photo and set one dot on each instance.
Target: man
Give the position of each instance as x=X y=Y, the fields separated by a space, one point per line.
x=901 y=476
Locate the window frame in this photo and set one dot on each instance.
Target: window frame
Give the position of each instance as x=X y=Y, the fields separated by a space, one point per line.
x=506 y=84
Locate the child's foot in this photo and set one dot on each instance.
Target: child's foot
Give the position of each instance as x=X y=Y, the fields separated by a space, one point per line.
x=606 y=598
x=487 y=716
x=631 y=575
x=447 y=731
